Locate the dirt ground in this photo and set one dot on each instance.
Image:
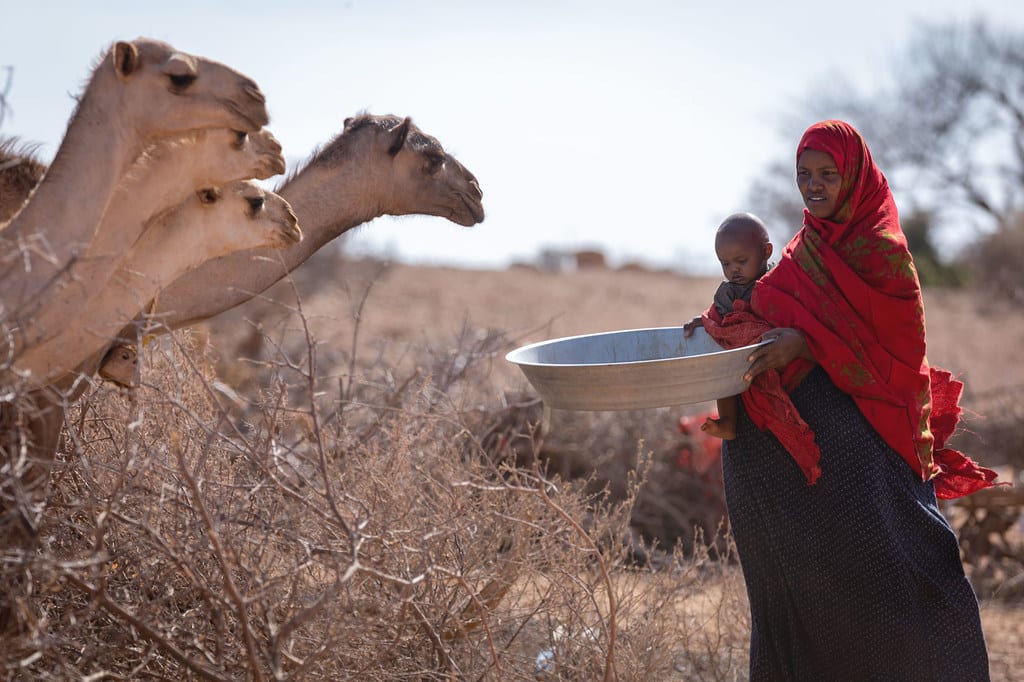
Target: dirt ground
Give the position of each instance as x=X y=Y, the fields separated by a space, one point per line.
x=980 y=341
x=410 y=305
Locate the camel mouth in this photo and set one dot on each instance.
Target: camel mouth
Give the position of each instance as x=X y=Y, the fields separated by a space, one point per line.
x=277 y=166
x=254 y=117
x=289 y=234
x=475 y=209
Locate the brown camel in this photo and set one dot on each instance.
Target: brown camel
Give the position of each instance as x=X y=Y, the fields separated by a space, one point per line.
x=141 y=91
x=377 y=165
x=209 y=224
x=166 y=174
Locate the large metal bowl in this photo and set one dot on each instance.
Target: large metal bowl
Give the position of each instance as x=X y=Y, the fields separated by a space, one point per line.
x=632 y=369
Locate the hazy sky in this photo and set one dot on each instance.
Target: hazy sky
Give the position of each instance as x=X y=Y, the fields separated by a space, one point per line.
x=633 y=127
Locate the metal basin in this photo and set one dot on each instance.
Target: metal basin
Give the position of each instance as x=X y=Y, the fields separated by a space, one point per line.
x=632 y=369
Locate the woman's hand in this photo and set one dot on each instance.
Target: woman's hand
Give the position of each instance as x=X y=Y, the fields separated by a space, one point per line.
x=691 y=325
x=789 y=345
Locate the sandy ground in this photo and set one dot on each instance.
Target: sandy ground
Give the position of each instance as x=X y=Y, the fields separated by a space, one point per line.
x=980 y=341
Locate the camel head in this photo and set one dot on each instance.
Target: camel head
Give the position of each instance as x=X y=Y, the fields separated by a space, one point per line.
x=120 y=365
x=162 y=91
x=242 y=215
x=265 y=151
x=217 y=156
x=409 y=171
x=211 y=157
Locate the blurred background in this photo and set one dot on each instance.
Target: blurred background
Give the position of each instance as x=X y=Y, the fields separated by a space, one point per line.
x=630 y=129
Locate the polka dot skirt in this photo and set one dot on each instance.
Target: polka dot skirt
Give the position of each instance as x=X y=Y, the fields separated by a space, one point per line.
x=857 y=577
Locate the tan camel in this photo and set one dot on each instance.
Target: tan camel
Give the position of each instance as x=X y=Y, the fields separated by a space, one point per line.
x=209 y=224
x=141 y=91
x=168 y=172
x=20 y=172
x=378 y=165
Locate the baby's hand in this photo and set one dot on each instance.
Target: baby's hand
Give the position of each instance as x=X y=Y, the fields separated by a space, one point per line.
x=691 y=325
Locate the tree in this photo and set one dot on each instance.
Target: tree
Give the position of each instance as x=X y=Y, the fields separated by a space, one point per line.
x=998 y=257
x=956 y=120
x=4 y=106
x=931 y=270
x=774 y=198
x=947 y=127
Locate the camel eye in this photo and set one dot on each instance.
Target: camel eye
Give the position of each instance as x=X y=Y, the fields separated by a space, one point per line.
x=255 y=203
x=434 y=162
x=240 y=137
x=182 y=81
x=208 y=196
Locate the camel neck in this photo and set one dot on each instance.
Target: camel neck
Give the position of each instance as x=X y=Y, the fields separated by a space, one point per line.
x=172 y=234
x=162 y=181
x=61 y=217
x=329 y=202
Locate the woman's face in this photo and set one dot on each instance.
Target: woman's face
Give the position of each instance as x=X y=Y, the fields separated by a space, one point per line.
x=819 y=181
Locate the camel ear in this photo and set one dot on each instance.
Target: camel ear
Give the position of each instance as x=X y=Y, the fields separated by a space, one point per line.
x=126 y=59
x=399 y=132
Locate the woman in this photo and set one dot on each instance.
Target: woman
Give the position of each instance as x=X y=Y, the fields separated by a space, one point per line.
x=852 y=572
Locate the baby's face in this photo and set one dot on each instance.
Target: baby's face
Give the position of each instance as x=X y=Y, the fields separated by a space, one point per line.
x=742 y=259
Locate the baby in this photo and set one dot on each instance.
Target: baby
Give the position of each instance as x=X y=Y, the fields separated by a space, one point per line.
x=743 y=249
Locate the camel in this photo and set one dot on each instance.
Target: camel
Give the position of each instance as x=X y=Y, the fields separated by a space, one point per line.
x=167 y=173
x=20 y=172
x=377 y=165
x=139 y=92
x=211 y=223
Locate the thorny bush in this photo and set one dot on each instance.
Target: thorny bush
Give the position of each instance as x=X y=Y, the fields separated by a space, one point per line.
x=353 y=527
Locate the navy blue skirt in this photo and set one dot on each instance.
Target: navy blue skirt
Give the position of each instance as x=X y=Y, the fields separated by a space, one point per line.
x=857 y=577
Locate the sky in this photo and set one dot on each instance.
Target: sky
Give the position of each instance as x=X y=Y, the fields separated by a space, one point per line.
x=629 y=127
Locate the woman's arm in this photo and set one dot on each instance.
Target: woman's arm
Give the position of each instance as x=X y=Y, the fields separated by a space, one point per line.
x=789 y=345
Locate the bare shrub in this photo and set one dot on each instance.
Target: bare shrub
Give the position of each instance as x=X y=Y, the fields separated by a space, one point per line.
x=988 y=523
x=995 y=260
x=345 y=527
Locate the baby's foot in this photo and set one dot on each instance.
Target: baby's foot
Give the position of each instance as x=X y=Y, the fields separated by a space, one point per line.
x=719 y=429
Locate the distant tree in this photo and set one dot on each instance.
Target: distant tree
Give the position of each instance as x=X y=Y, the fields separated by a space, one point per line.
x=932 y=269
x=773 y=197
x=946 y=124
x=998 y=259
x=4 y=106
x=957 y=118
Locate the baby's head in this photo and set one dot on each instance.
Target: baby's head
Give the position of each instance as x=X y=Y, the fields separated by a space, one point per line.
x=743 y=248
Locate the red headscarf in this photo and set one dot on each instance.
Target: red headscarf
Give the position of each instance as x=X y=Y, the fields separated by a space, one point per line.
x=849 y=284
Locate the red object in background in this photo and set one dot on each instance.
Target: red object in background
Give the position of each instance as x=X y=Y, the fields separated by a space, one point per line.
x=703 y=451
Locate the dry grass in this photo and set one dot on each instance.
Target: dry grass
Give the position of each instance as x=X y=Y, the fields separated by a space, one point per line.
x=346 y=481
x=345 y=530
